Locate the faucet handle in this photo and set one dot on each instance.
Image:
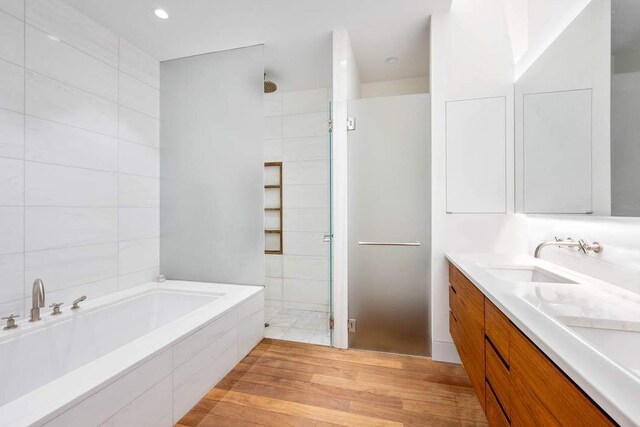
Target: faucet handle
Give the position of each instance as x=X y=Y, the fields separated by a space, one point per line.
x=11 y=323
x=56 y=308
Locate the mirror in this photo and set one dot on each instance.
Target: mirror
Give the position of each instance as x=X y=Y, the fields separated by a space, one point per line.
x=577 y=117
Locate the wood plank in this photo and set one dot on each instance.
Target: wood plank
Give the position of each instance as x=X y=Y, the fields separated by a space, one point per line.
x=497 y=327
x=292 y=384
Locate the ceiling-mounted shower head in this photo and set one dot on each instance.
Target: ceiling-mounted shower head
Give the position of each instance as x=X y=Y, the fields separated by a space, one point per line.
x=269 y=86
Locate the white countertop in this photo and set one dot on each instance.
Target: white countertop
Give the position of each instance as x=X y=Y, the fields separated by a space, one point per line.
x=542 y=310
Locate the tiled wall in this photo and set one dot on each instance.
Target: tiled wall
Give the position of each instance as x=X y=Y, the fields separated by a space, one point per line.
x=79 y=169
x=296 y=134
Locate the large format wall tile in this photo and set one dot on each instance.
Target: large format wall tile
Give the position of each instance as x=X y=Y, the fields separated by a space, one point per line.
x=303 y=125
x=13 y=7
x=48 y=228
x=305 y=101
x=69 y=267
x=51 y=142
x=306 y=196
x=11 y=39
x=11 y=86
x=305 y=243
x=11 y=230
x=305 y=267
x=53 y=185
x=11 y=271
x=11 y=134
x=138 y=127
x=50 y=99
x=308 y=172
x=138 y=64
x=138 y=255
x=139 y=96
x=139 y=192
x=306 y=219
x=139 y=223
x=136 y=159
x=11 y=182
x=67 y=24
x=65 y=63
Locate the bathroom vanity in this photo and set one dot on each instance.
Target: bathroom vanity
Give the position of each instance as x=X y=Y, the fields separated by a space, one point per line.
x=519 y=326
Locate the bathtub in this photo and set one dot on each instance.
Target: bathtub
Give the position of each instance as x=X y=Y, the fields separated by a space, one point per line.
x=139 y=357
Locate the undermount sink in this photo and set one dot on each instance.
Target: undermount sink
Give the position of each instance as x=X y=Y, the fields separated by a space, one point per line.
x=525 y=273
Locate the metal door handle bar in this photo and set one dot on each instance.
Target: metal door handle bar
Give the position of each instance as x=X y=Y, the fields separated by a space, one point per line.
x=389 y=243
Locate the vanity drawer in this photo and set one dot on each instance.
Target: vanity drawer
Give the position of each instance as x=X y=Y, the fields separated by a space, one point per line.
x=493 y=411
x=497 y=374
x=453 y=300
x=497 y=327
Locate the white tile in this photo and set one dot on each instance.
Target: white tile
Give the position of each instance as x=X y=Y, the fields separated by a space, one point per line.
x=11 y=182
x=273 y=127
x=52 y=100
x=11 y=86
x=11 y=230
x=201 y=339
x=273 y=288
x=305 y=267
x=137 y=191
x=51 y=142
x=139 y=159
x=298 y=335
x=139 y=223
x=100 y=406
x=309 y=148
x=273 y=150
x=272 y=104
x=11 y=39
x=53 y=185
x=12 y=307
x=306 y=219
x=139 y=96
x=305 y=243
x=68 y=267
x=138 y=255
x=65 y=63
x=307 y=172
x=130 y=280
x=306 y=306
x=305 y=101
x=138 y=127
x=194 y=379
x=250 y=333
x=11 y=134
x=273 y=265
x=11 y=270
x=274 y=332
x=13 y=7
x=62 y=21
x=305 y=196
x=139 y=64
x=306 y=291
x=48 y=228
x=154 y=408
x=303 y=125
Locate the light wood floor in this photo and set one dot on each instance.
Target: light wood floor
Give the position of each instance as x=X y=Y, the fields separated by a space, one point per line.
x=282 y=383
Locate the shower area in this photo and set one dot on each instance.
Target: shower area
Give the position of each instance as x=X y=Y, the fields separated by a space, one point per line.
x=297 y=153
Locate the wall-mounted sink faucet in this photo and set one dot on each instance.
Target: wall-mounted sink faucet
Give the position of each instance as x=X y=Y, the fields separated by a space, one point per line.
x=582 y=245
x=37 y=300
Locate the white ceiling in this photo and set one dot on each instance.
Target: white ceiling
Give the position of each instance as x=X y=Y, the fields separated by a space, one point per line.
x=625 y=23
x=296 y=33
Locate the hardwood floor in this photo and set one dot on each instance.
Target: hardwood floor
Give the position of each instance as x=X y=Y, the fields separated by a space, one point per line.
x=283 y=383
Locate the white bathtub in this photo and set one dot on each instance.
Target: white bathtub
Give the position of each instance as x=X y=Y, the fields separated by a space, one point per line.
x=144 y=356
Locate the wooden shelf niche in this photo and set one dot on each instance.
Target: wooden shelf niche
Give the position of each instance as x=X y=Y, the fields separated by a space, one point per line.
x=273 y=240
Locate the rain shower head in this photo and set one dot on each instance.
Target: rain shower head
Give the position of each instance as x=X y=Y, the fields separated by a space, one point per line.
x=269 y=86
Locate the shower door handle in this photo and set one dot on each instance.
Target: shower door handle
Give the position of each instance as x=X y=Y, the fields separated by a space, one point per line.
x=389 y=243
x=327 y=238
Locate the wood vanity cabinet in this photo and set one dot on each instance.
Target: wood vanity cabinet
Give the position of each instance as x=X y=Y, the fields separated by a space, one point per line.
x=515 y=382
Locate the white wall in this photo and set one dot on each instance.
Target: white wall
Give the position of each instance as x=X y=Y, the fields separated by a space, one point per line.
x=346 y=86
x=471 y=57
x=395 y=87
x=296 y=135
x=78 y=156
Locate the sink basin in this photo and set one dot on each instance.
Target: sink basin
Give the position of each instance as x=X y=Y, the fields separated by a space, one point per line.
x=525 y=273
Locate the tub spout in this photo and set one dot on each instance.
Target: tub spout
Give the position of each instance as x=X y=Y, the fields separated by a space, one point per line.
x=37 y=300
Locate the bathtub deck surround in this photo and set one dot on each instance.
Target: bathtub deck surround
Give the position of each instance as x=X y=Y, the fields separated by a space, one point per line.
x=568 y=317
x=151 y=351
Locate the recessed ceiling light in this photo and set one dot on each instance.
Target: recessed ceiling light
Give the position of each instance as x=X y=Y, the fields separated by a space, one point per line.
x=161 y=13
x=391 y=60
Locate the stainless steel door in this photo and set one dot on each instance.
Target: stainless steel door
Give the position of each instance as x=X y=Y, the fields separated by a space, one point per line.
x=389 y=223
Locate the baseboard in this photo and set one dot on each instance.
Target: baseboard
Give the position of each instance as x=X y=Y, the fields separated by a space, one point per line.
x=444 y=352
